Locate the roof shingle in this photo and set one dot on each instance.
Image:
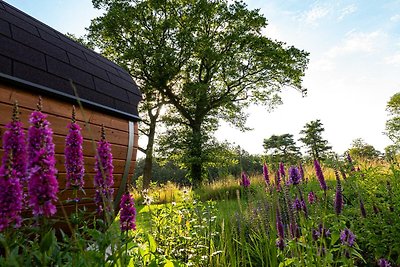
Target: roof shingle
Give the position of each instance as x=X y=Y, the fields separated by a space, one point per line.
x=35 y=53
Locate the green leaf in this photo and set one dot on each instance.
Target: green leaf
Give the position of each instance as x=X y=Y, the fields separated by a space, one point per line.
x=152 y=243
x=169 y=264
x=47 y=241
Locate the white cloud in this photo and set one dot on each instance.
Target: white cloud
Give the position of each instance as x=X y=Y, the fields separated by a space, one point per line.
x=347 y=11
x=393 y=59
x=395 y=18
x=315 y=14
x=358 y=42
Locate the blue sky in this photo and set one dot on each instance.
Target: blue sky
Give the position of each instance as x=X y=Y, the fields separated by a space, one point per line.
x=354 y=65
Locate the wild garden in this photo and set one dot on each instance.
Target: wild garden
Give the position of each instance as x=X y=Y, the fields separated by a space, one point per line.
x=195 y=201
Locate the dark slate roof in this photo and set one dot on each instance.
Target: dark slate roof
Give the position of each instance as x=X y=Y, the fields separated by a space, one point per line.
x=36 y=56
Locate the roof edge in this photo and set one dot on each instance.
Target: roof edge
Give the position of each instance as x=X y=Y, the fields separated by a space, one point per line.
x=61 y=95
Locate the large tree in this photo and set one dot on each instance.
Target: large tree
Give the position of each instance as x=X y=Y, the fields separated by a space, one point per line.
x=312 y=139
x=393 y=123
x=207 y=58
x=363 y=151
x=282 y=148
x=139 y=36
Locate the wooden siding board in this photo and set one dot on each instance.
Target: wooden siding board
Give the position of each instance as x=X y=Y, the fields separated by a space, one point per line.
x=63 y=109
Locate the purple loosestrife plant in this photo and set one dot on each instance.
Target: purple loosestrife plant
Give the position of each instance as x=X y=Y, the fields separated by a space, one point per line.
x=42 y=184
x=384 y=263
x=12 y=173
x=103 y=179
x=14 y=145
x=278 y=181
x=266 y=174
x=349 y=159
x=320 y=175
x=301 y=170
x=338 y=195
x=10 y=198
x=127 y=219
x=312 y=198
x=280 y=243
x=362 y=209
x=297 y=205
x=347 y=237
x=282 y=170
x=74 y=165
x=294 y=175
x=245 y=180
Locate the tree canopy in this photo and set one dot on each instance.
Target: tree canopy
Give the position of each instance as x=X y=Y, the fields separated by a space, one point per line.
x=208 y=59
x=312 y=139
x=282 y=148
x=361 y=150
x=392 y=129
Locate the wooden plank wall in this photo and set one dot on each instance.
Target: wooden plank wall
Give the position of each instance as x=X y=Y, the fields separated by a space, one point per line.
x=59 y=115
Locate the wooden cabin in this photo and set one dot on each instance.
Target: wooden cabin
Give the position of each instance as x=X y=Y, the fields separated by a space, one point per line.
x=38 y=60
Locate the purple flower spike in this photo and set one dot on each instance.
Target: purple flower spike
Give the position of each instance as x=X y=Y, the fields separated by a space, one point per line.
x=338 y=195
x=280 y=243
x=279 y=226
x=347 y=237
x=278 y=181
x=320 y=175
x=297 y=205
x=245 y=180
x=282 y=170
x=14 y=145
x=312 y=198
x=266 y=174
x=12 y=173
x=128 y=213
x=301 y=170
x=103 y=179
x=294 y=175
x=384 y=263
x=74 y=156
x=350 y=162
x=42 y=184
x=362 y=209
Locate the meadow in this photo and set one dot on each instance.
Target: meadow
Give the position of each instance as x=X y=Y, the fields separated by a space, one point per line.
x=312 y=215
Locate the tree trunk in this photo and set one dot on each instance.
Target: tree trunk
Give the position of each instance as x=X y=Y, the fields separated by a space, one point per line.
x=148 y=161
x=195 y=152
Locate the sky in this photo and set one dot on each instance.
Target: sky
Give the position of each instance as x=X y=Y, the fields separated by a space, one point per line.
x=354 y=65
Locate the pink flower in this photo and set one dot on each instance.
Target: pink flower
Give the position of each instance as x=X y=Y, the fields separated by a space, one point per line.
x=320 y=175
x=74 y=156
x=245 y=180
x=103 y=179
x=42 y=184
x=266 y=174
x=128 y=213
x=12 y=173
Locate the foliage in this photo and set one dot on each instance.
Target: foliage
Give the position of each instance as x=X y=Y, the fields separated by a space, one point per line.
x=312 y=139
x=214 y=61
x=361 y=150
x=282 y=148
x=392 y=128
